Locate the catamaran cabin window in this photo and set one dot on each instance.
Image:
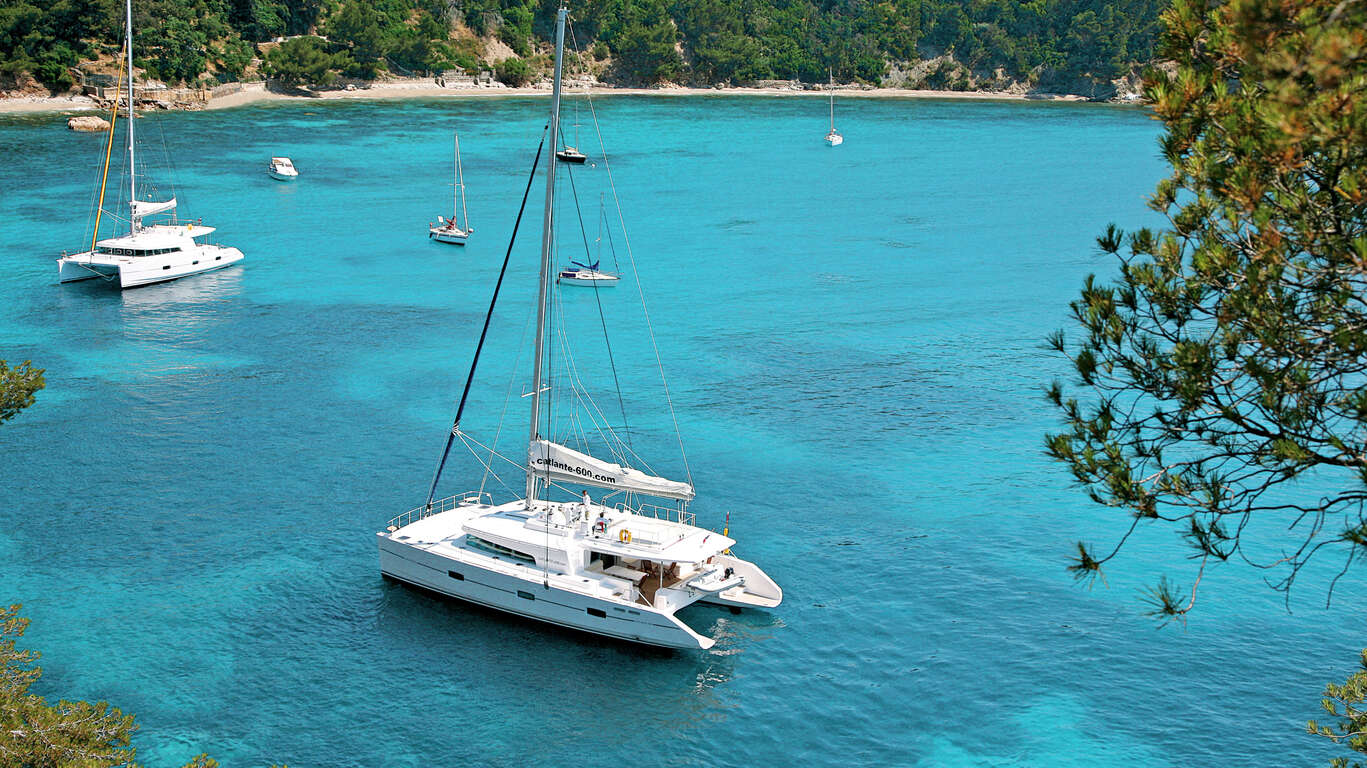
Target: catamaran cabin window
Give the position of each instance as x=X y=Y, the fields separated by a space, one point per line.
x=497 y=549
x=135 y=251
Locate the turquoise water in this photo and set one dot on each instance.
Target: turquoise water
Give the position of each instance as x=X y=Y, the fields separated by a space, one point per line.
x=853 y=339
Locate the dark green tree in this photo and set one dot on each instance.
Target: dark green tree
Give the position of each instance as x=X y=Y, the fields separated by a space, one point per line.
x=68 y=734
x=302 y=61
x=1347 y=704
x=513 y=72
x=1224 y=372
x=18 y=387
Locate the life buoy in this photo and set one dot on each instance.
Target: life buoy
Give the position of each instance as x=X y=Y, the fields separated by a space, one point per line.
x=624 y=536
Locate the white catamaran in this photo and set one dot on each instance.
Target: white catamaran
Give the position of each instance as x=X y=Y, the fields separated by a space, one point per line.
x=620 y=569
x=452 y=230
x=148 y=253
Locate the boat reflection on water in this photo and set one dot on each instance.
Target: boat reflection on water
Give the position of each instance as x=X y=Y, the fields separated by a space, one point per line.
x=208 y=288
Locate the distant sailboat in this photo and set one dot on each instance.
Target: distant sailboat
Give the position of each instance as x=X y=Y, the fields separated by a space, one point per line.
x=571 y=154
x=452 y=230
x=149 y=253
x=833 y=137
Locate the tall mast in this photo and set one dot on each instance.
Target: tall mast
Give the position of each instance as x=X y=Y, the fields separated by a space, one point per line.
x=547 y=238
x=831 y=73
x=132 y=169
x=460 y=186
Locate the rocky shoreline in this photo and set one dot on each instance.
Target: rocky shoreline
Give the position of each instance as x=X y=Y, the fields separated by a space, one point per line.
x=248 y=93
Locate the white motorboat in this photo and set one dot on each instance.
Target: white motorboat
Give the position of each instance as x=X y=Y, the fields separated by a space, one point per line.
x=282 y=169
x=147 y=253
x=450 y=230
x=833 y=137
x=586 y=274
x=619 y=566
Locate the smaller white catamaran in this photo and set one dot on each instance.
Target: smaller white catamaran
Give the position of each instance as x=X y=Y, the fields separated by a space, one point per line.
x=452 y=230
x=833 y=137
x=148 y=253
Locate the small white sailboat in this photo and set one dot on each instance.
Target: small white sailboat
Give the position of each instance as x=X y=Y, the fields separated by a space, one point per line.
x=617 y=567
x=833 y=137
x=282 y=169
x=148 y=253
x=586 y=274
x=452 y=230
x=571 y=154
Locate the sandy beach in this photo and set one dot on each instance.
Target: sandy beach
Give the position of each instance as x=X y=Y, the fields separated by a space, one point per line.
x=425 y=89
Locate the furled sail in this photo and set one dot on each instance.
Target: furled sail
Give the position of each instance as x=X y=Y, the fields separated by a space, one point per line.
x=147 y=207
x=568 y=465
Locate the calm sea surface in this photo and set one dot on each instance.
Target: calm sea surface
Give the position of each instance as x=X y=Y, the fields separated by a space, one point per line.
x=853 y=339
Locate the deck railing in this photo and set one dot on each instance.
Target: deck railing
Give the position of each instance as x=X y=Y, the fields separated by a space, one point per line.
x=675 y=514
x=437 y=507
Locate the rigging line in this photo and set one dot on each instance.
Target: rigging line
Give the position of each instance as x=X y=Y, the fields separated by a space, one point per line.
x=488 y=468
x=602 y=318
x=468 y=439
x=607 y=166
x=507 y=393
x=585 y=398
x=455 y=427
x=108 y=151
x=612 y=247
x=640 y=292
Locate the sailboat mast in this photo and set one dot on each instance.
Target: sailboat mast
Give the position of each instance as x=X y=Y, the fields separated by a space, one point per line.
x=460 y=186
x=547 y=238
x=831 y=74
x=132 y=169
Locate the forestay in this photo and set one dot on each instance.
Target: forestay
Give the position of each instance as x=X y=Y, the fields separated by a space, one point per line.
x=568 y=465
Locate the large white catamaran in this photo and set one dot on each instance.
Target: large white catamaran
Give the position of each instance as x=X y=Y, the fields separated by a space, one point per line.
x=148 y=253
x=617 y=566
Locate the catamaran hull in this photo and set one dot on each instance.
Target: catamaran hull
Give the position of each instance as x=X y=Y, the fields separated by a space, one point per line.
x=527 y=597
x=132 y=272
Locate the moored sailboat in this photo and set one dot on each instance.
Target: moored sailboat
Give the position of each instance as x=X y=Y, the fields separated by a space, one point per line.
x=618 y=566
x=454 y=231
x=148 y=253
x=833 y=137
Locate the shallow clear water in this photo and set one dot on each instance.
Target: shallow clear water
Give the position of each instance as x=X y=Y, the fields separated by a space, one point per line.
x=853 y=338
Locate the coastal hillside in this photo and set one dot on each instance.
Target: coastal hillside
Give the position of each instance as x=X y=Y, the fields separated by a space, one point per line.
x=1062 y=46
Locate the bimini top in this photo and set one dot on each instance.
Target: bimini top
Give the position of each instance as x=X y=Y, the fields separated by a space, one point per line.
x=158 y=236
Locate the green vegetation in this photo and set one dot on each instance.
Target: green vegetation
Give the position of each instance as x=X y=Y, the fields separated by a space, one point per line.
x=1347 y=704
x=1224 y=368
x=1060 y=44
x=36 y=734
x=18 y=386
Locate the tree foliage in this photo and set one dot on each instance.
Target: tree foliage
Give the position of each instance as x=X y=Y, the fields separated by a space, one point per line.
x=36 y=734
x=1061 y=44
x=1347 y=704
x=304 y=60
x=1225 y=369
x=18 y=386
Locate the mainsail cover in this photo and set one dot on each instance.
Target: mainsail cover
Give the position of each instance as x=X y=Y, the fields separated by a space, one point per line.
x=147 y=207
x=568 y=465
